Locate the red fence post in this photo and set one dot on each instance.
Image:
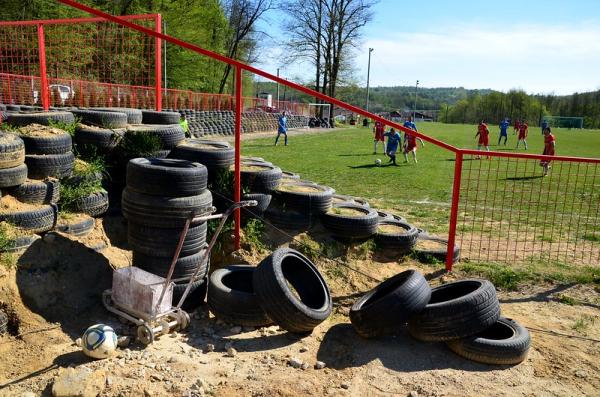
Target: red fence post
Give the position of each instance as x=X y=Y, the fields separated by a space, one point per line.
x=43 y=77
x=454 y=209
x=238 y=131
x=158 y=62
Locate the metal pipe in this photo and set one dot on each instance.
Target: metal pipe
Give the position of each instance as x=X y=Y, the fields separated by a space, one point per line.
x=44 y=89
x=238 y=136
x=158 y=62
x=415 y=107
x=368 y=77
x=454 y=210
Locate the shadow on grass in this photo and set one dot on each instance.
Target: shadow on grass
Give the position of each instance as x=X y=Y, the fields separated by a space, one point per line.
x=523 y=178
x=359 y=155
x=374 y=166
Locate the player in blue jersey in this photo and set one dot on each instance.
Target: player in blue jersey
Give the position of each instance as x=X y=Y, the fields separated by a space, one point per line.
x=281 y=128
x=503 y=131
x=393 y=141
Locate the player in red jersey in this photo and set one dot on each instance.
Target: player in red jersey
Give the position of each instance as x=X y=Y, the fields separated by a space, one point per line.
x=378 y=129
x=517 y=126
x=410 y=146
x=523 y=131
x=549 y=144
x=484 y=137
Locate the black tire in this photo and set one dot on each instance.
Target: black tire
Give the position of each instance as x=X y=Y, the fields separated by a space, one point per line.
x=3 y=323
x=263 y=201
x=21 y=243
x=12 y=150
x=231 y=297
x=506 y=342
x=41 y=166
x=260 y=177
x=388 y=216
x=401 y=242
x=95 y=204
x=349 y=226
x=90 y=178
x=48 y=144
x=37 y=220
x=387 y=307
x=13 y=108
x=14 y=176
x=430 y=254
x=299 y=313
x=163 y=242
x=37 y=191
x=170 y=135
x=101 y=118
x=286 y=219
x=289 y=175
x=154 y=117
x=134 y=116
x=102 y=139
x=456 y=310
x=161 y=211
x=78 y=228
x=196 y=296
x=43 y=118
x=361 y=201
x=185 y=266
x=166 y=177
x=214 y=155
x=316 y=201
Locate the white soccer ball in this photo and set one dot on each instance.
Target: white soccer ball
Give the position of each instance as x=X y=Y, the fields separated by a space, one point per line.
x=378 y=162
x=99 y=341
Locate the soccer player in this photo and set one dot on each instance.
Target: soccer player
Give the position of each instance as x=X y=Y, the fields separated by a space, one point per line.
x=503 y=131
x=392 y=145
x=378 y=130
x=484 y=136
x=281 y=128
x=549 y=145
x=544 y=126
x=517 y=126
x=523 y=131
x=410 y=141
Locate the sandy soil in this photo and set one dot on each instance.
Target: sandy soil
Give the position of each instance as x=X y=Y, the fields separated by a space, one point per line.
x=53 y=297
x=39 y=130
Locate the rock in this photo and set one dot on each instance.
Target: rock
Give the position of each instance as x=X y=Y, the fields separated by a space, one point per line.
x=79 y=382
x=319 y=365
x=28 y=394
x=49 y=238
x=303 y=349
x=295 y=362
x=150 y=365
x=231 y=352
x=123 y=341
x=235 y=330
x=173 y=360
x=581 y=374
x=345 y=385
x=78 y=342
x=305 y=366
x=413 y=394
x=210 y=347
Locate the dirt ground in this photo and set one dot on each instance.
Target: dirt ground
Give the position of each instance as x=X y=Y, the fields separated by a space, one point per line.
x=52 y=296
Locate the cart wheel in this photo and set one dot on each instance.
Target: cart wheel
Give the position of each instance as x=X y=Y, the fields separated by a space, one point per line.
x=107 y=299
x=145 y=334
x=183 y=319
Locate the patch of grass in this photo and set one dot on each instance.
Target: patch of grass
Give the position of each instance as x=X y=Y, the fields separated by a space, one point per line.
x=336 y=271
x=501 y=276
x=139 y=144
x=69 y=128
x=583 y=323
x=8 y=128
x=546 y=239
x=8 y=233
x=253 y=234
x=567 y=300
x=592 y=237
x=363 y=250
x=69 y=194
x=307 y=246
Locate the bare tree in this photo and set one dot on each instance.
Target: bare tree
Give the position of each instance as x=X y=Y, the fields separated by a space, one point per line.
x=242 y=16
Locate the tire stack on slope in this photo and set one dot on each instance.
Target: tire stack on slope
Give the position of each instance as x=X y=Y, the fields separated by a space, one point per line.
x=259 y=179
x=49 y=151
x=159 y=197
x=84 y=191
x=349 y=221
x=285 y=288
x=465 y=314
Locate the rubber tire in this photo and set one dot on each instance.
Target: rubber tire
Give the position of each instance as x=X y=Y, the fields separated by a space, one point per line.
x=95 y=204
x=154 y=117
x=161 y=211
x=264 y=181
x=456 y=310
x=102 y=139
x=101 y=118
x=163 y=242
x=288 y=219
x=41 y=166
x=221 y=157
x=79 y=229
x=3 y=323
x=12 y=150
x=259 y=211
x=351 y=227
x=37 y=192
x=195 y=298
x=21 y=243
x=38 y=220
x=290 y=175
x=134 y=116
x=308 y=202
x=55 y=144
x=14 y=176
x=271 y=278
x=387 y=216
x=400 y=243
x=426 y=255
x=185 y=266
x=488 y=347
x=170 y=135
x=76 y=180
x=387 y=307
x=43 y=118
x=231 y=297
x=166 y=177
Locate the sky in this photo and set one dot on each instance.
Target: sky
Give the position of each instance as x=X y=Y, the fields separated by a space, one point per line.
x=550 y=46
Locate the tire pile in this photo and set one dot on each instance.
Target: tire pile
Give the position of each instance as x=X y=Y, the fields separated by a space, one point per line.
x=159 y=197
x=285 y=288
x=464 y=314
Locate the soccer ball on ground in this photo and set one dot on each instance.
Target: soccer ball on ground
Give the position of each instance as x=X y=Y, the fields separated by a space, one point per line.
x=99 y=341
x=378 y=162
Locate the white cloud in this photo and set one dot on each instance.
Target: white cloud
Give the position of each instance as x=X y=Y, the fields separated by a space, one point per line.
x=534 y=57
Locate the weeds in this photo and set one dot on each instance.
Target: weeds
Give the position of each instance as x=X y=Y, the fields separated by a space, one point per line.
x=567 y=300
x=364 y=249
x=253 y=234
x=70 y=194
x=69 y=128
x=8 y=128
x=583 y=323
x=136 y=144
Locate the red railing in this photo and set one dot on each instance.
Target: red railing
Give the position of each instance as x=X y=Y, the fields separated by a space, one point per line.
x=478 y=186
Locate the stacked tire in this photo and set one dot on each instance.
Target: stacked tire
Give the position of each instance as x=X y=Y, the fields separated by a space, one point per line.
x=93 y=200
x=161 y=194
x=465 y=314
x=48 y=152
x=350 y=221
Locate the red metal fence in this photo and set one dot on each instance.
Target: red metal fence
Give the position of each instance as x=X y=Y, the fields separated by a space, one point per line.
x=502 y=209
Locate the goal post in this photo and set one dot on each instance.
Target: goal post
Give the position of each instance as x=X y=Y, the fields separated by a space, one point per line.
x=313 y=113
x=564 y=122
